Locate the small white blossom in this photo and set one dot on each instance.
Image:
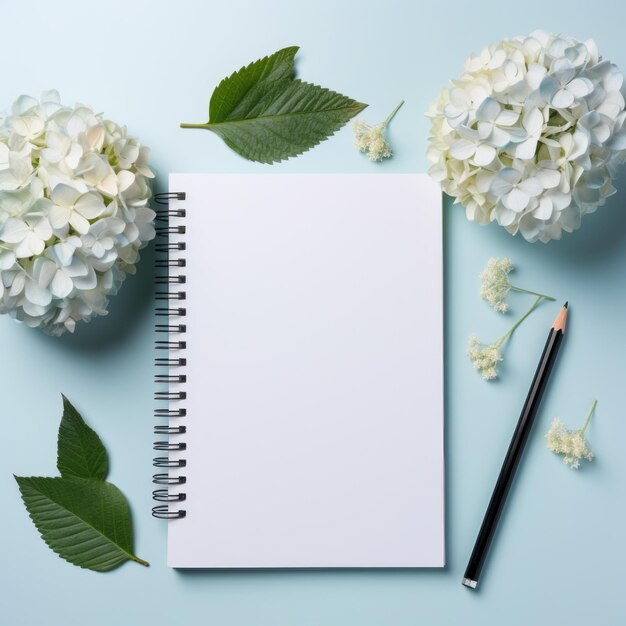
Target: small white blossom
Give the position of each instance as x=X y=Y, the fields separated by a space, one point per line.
x=522 y=107
x=70 y=208
x=371 y=139
x=484 y=357
x=496 y=286
x=570 y=443
x=28 y=235
x=74 y=211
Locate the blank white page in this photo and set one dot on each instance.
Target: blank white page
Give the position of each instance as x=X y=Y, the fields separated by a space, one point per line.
x=314 y=372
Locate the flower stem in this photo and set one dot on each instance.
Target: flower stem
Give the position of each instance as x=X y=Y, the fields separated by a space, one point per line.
x=392 y=114
x=193 y=125
x=511 y=330
x=534 y=293
x=593 y=408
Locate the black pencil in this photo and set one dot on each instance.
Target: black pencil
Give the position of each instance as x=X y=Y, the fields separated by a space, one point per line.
x=516 y=448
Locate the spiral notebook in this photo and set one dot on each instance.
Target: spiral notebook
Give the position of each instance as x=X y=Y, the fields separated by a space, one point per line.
x=300 y=371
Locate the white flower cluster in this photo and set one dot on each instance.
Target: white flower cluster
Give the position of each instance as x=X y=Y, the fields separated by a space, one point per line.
x=74 y=193
x=371 y=140
x=531 y=134
x=570 y=443
x=495 y=283
x=484 y=357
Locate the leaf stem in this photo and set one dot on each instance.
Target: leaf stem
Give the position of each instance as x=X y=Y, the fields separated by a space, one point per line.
x=138 y=560
x=193 y=125
x=534 y=293
x=593 y=408
x=392 y=114
x=511 y=330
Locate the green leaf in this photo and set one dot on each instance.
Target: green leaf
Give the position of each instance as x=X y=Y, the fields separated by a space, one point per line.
x=85 y=521
x=79 y=450
x=266 y=114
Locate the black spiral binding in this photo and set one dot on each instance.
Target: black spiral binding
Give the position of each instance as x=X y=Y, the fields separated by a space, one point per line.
x=170 y=373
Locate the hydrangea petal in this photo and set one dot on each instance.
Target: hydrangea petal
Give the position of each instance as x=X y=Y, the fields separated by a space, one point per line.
x=14 y=230
x=533 y=121
x=560 y=200
x=562 y=99
x=87 y=281
x=31 y=245
x=79 y=223
x=36 y=294
x=61 y=285
x=7 y=259
x=548 y=87
x=526 y=149
x=503 y=181
x=23 y=104
x=544 y=210
x=530 y=186
x=484 y=154
x=507 y=117
x=499 y=137
x=42 y=229
x=43 y=271
x=488 y=110
x=516 y=200
x=64 y=195
x=18 y=283
x=64 y=252
x=529 y=227
x=462 y=149
x=59 y=216
x=504 y=216
x=580 y=87
x=90 y=205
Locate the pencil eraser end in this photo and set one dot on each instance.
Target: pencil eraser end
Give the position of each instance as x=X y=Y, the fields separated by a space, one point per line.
x=468 y=582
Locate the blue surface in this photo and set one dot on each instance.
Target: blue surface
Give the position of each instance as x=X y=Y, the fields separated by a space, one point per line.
x=559 y=555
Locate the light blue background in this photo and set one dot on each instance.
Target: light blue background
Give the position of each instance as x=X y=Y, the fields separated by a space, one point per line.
x=559 y=556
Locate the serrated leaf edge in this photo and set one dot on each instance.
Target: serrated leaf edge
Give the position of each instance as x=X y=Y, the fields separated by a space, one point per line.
x=212 y=125
x=247 y=67
x=67 y=403
x=360 y=106
x=130 y=556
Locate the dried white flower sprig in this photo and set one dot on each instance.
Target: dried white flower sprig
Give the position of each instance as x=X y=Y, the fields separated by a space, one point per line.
x=494 y=289
x=486 y=357
x=570 y=443
x=371 y=139
x=496 y=285
x=531 y=134
x=74 y=211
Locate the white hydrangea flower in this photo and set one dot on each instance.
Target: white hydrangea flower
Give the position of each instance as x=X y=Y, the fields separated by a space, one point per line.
x=74 y=211
x=570 y=443
x=371 y=139
x=531 y=134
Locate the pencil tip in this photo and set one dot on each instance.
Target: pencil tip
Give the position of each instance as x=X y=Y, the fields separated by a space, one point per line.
x=559 y=322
